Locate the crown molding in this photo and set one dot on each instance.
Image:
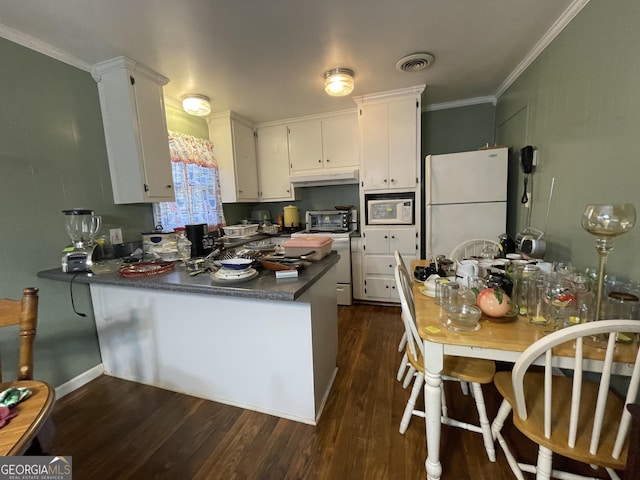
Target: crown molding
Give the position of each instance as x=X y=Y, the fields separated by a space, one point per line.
x=460 y=103
x=539 y=47
x=42 y=47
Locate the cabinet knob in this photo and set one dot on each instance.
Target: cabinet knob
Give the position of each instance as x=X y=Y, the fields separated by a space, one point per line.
x=393 y=236
x=392 y=180
x=320 y=161
x=239 y=191
x=390 y=266
x=288 y=191
x=385 y=180
x=169 y=186
x=328 y=160
x=386 y=286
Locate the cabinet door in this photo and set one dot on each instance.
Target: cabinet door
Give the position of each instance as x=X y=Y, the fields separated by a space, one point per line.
x=244 y=144
x=376 y=241
x=305 y=146
x=273 y=163
x=340 y=141
x=404 y=240
x=378 y=287
x=374 y=128
x=154 y=139
x=379 y=264
x=403 y=143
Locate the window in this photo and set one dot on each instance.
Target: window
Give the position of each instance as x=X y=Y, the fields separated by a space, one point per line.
x=196 y=185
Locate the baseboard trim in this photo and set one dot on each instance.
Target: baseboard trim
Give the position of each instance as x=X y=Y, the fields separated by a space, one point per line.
x=78 y=381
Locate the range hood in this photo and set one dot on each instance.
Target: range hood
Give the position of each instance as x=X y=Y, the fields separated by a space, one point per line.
x=342 y=177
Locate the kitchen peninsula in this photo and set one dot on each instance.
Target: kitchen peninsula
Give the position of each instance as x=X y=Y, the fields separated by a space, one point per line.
x=267 y=344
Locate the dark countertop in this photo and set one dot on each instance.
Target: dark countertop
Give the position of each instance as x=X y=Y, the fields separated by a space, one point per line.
x=265 y=286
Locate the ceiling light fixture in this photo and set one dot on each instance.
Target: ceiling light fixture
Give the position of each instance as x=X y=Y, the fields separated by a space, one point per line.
x=338 y=82
x=196 y=104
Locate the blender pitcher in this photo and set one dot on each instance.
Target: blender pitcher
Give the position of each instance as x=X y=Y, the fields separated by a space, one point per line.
x=82 y=226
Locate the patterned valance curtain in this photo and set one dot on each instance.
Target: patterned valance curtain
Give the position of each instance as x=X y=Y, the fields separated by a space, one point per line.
x=196 y=185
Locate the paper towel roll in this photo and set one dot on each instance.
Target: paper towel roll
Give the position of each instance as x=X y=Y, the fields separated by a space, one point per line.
x=291 y=216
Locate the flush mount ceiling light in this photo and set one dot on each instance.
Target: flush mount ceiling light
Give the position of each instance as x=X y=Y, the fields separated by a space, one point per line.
x=416 y=62
x=338 y=82
x=196 y=104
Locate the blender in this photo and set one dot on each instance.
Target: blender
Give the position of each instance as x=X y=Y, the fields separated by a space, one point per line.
x=82 y=226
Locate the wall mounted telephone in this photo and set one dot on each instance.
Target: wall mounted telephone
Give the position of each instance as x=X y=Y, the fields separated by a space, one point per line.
x=528 y=161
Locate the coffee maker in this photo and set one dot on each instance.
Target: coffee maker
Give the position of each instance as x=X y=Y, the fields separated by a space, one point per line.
x=202 y=242
x=82 y=226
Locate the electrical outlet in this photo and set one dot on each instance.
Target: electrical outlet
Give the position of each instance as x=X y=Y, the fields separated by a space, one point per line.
x=115 y=236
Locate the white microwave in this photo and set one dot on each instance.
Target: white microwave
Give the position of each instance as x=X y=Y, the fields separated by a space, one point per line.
x=390 y=209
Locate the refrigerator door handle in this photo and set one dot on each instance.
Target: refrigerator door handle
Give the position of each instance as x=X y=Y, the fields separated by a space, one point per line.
x=428 y=230
x=427 y=170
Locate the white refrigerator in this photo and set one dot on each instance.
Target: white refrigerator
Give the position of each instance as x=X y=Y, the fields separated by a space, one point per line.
x=465 y=198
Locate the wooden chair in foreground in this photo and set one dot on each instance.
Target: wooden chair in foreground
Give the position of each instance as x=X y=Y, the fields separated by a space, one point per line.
x=16 y=436
x=576 y=418
x=459 y=369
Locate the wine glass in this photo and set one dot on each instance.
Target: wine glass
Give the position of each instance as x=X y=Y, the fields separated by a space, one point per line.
x=606 y=222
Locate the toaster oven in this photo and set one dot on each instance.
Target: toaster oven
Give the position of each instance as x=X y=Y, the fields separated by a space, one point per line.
x=328 y=221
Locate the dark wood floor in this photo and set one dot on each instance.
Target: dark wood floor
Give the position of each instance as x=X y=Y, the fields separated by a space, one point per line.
x=116 y=429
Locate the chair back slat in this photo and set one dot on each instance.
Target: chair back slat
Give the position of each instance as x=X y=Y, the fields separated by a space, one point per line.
x=548 y=392
x=576 y=394
x=603 y=391
x=405 y=290
x=543 y=350
x=625 y=420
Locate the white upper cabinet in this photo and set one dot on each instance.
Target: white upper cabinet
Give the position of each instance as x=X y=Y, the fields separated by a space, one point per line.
x=135 y=130
x=273 y=164
x=325 y=143
x=390 y=140
x=234 y=147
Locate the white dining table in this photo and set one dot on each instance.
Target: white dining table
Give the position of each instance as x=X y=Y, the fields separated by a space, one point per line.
x=498 y=339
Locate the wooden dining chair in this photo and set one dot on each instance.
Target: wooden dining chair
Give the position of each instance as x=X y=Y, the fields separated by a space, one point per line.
x=568 y=415
x=404 y=371
x=19 y=433
x=460 y=369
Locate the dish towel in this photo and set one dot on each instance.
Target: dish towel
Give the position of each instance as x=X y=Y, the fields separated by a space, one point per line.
x=9 y=399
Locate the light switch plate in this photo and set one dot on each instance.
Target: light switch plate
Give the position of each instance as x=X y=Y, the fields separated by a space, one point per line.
x=115 y=236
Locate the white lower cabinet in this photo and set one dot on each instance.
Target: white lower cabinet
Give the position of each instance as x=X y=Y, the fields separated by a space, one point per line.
x=378 y=262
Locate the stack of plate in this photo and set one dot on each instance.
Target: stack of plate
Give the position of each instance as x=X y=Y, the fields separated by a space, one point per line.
x=235 y=270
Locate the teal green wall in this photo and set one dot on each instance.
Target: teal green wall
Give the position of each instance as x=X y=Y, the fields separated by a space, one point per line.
x=53 y=157
x=459 y=129
x=579 y=104
x=179 y=121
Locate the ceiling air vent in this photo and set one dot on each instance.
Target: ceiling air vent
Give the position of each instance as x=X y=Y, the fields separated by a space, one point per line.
x=416 y=62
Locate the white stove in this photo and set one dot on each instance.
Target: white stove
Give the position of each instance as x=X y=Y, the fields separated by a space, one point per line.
x=342 y=245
